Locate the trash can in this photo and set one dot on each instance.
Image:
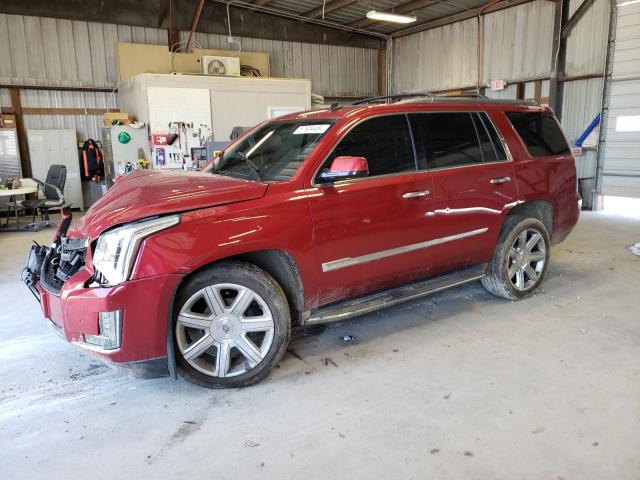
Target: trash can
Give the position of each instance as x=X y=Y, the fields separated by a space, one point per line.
x=586 y=188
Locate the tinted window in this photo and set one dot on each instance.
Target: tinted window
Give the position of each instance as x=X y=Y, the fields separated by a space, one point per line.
x=540 y=133
x=446 y=139
x=500 y=153
x=274 y=152
x=486 y=146
x=384 y=141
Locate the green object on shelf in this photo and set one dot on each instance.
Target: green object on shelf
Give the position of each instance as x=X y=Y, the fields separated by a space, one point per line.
x=124 y=137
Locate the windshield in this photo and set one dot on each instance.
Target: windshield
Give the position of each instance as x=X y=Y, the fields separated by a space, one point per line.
x=274 y=152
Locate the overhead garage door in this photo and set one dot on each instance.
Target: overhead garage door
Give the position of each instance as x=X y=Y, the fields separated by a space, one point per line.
x=621 y=167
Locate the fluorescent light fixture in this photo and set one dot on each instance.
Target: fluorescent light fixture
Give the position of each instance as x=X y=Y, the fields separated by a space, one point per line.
x=390 y=17
x=628 y=2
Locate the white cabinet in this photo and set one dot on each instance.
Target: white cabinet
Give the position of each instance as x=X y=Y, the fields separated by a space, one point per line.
x=57 y=147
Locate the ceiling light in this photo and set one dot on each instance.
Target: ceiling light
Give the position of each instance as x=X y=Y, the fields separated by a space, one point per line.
x=628 y=2
x=390 y=17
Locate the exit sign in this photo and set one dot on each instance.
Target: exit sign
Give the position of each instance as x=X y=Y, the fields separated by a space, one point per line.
x=498 y=84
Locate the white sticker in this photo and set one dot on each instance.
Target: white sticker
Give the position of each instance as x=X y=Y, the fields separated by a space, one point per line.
x=303 y=129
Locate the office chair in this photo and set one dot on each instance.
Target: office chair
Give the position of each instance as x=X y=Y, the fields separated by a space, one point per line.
x=52 y=189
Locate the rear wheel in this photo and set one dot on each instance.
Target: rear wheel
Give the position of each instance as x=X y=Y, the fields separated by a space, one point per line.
x=520 y=259
x=231 y=325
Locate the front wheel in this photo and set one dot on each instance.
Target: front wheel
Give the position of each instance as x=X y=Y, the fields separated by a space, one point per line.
x=231 y=325
x=520 y=259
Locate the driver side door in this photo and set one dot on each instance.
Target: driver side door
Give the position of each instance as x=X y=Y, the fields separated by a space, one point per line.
x=368 y=231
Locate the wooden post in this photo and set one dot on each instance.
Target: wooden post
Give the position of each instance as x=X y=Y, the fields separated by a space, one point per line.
x=382 y=71
x=23 y=148
x=537 y=91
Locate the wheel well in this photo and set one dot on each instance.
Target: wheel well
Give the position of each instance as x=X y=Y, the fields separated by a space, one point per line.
x=539 y=209
x=283 y=268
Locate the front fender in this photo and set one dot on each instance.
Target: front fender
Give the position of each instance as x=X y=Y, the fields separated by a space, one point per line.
x=212 y=234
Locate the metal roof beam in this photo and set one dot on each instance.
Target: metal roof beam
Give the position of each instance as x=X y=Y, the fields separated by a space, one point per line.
x=575 y=18
x=328 y=7
x=213 y=19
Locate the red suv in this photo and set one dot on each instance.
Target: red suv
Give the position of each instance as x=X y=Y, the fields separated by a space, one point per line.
x=309 y=218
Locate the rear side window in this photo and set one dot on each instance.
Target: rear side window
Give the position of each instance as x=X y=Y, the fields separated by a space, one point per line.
x=540 y=133
x=384 y=141
x=446 y=139
x=500 y=154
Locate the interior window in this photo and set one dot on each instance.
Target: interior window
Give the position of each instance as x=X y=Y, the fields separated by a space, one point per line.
x=446 y=139
x=540 y=133
x=384 y=141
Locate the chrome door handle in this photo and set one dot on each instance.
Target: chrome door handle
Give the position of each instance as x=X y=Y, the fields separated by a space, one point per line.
x=500 y=180
x=419 y=193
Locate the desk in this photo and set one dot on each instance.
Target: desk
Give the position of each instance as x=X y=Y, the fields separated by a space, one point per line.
x=11 y=194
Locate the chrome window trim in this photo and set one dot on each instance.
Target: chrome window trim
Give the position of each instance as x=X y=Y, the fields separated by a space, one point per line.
x=500 y=136
x=370 y=257
x=349 y=181
x=493 y=144
x=316 y=184
x=314 y=181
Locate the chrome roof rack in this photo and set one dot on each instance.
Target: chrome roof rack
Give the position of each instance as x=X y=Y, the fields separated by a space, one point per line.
x=427 y=97
x=392 y=97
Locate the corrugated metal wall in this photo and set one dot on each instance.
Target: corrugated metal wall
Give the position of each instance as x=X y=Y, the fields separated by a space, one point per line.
x=582 y=99
x=516 y=46
x=86 y=126
x=436 y=59
x=621 y=166
x=47 y=51
x=55 y=52
x=581 y=102
x=517 y=42
x=334 y=70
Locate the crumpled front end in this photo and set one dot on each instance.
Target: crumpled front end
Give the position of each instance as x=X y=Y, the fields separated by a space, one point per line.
x=125 y=324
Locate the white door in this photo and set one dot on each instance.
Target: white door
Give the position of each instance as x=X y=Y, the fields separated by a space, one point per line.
x=69 y=155
x=38 y=154
x=621 y=172
x=57 y=147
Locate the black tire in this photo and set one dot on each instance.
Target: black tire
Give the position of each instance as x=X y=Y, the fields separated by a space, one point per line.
x=260 y=282
x=497 y=279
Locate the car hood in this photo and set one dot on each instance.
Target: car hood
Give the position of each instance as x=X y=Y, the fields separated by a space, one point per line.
x=146 y=193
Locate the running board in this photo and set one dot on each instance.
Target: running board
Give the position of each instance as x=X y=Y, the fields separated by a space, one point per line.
x=394 y=296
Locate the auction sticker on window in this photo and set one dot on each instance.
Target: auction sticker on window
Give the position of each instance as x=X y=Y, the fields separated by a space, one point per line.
x=304 y=129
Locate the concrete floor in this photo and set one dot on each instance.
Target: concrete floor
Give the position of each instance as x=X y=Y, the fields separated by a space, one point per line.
x=459 y=385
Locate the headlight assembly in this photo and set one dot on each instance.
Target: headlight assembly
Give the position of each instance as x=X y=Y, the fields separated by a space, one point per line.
x=117 y=249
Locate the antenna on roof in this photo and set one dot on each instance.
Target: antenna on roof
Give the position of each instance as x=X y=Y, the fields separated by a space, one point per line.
x=334 y=106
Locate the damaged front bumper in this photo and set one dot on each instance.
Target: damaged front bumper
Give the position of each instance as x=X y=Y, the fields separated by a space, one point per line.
x=125 y=325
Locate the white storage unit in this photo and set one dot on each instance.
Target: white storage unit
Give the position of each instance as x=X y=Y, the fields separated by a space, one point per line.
x=118 y=154
x=57 y=147
x=221 y=103
x=621 y=166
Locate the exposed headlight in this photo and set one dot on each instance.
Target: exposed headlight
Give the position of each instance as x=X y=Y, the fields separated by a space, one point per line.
x=117 y=249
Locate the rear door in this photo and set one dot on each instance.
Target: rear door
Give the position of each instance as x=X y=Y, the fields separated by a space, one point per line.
x=473 y=184
x=368 y=231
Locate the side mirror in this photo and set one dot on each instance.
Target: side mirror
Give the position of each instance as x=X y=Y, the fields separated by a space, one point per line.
x=343 y=168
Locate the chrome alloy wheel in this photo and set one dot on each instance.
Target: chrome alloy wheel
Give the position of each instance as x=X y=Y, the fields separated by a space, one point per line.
x=224 y=330
x=527 y=257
